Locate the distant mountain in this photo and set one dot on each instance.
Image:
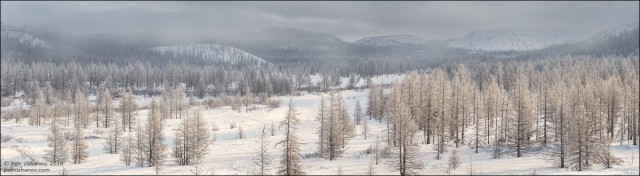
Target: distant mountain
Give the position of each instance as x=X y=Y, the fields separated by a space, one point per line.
x=506 y=39
x=12 y=34
x=294 y=39
x=392 y=40
x=615 y=31
x=212 y=52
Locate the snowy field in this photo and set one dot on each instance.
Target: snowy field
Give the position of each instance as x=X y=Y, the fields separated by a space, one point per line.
x=230 y=156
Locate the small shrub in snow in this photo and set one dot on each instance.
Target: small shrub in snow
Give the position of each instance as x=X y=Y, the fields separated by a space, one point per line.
x=386 y=152
x=312 y=155
x=241 y=134
x=273 y=103
x=214 y=127
x=69 y=136
x=6 y=138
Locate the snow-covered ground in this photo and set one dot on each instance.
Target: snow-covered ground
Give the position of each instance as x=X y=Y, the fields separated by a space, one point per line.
x=229 y=155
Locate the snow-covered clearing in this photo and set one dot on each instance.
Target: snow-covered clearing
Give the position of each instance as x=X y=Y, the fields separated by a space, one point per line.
x=229 y=155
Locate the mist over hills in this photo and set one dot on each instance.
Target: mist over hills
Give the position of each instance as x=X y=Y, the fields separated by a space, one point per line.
x=284 y=46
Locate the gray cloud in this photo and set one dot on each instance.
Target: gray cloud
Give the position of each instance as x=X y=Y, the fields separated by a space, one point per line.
x=347 y=20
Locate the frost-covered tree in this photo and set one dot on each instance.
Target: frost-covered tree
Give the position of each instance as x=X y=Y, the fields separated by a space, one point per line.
x=154 y=137
x=39 y=110
x=201 y=88
x=365 y=128
x=322 y=117
x=128 y=149
x=248 y=99
x=58 y=148
x=128 y=109
x=407 y=160
x=454 y=159
x=180 y=105
x=336 y=127
x=357 y=113
x=82 y=110
x=263 y=160
x=107 y=108
x=192 y=139
x=522 y=118
x=441 y=104
x=68 y=102
x=113 y=141
x=290 y=163
x=79 y=147
x=141 y=145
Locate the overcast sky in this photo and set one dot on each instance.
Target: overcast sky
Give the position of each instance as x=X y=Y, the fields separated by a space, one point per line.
x=347 y=20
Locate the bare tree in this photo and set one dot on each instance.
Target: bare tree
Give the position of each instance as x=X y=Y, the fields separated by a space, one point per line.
x=82 y=109
x=454 y=159
x=407 y=161
x=113 y=141
x=154 y=137
x=263 y=159
x=191 y=140
x=290 y=162
x=357 y=113
x=39 y=109
x=79 y=147
x=128 y=149
x=57 y=152
x=128 y=109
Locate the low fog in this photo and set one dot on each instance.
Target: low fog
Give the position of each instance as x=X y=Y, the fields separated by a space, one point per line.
x=346 y=20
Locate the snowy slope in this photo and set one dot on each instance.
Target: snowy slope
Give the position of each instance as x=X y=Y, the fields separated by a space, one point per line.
x=615 y=31
x=294 y=39
x=8 y=33
x=219 y=53
x=506 y=39
x=392 y=40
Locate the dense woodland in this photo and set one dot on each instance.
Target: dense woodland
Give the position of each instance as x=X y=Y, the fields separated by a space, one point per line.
x=570 y=109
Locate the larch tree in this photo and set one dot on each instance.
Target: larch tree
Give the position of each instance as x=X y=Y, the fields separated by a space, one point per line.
x=454 y=159
x=558 y=152
x=128 y=149
x=58 y=148
x=79 y=147
x=336 y=127
x=39 y=109
x=68 y=102
x=461 y=103
x=114 y=140
x=201 y=88
x=192 y=139
x=128 y=109
x=248 y=99
x=357 y=113
x=154 y=137
x=365 y=128
x=81 y=110
x=522 y=118
x=492 y=107
x=290 y=162
x=263 y=160
x=323 y=117
x=408 y=160
x=441 y=105
x=140 y=153
x=106 y=104
x=180 y=105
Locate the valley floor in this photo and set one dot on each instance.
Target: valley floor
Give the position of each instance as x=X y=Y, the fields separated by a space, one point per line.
x=229 y=156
